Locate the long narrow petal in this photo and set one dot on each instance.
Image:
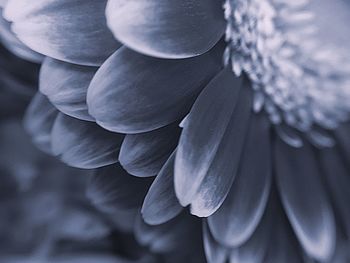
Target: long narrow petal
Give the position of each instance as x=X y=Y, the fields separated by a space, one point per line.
x=167 y=28
x=144 y=154
x=255 y=249
x=74 y=32
x=338 y=180
x=132 y=93
x=239 y=215
x=84 y=144
x=66 y=85
x=161 y=204
x=215 y=253
x=304 y=199
x=211 y=144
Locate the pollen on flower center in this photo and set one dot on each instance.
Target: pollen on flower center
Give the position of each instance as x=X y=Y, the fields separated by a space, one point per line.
x=297 y=79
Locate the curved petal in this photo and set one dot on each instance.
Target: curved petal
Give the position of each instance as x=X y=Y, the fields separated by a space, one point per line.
x=144 y=154
x=239 y=215
x=9 y=39
x=304 y=199
x=181 y=29
x=145 y=93
x=112 y=189
x=215 y=253
x=73 y=32
x=282 y=243
x=84 y=144
x=161 y=204
x=66 y=85
x=255 y=249
x=211 y=144
x=39 y=120
x=338 y=180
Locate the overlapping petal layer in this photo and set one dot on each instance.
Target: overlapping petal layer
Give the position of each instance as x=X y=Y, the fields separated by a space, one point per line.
x=144 y=154
x=132 y=93
x=211 y=144
x=304 y=199
x=66 y=86
x=246 y=202
x=74 y=33
x=84 y=144
x=167 y=29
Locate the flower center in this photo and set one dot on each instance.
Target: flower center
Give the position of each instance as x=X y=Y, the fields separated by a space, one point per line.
x=298 y=80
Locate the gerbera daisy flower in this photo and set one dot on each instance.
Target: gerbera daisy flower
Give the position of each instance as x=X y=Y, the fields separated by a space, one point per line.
x=260 y=89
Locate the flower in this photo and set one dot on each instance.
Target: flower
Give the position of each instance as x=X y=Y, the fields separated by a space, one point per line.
x=264 y=114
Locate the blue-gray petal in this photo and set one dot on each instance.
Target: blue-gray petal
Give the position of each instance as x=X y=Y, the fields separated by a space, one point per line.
x=70 y=31
x=211 y=144
x=39 y=120
x=304 y=198
x=144 y=154
x=237 y=218
x=161 y=204
x=132 y=93
x=66 y=85
x=84 y=144
x=167 y=28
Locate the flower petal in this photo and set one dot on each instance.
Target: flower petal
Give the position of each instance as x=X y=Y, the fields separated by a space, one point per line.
x=145 y=93
x=9 y=39
x=343 y=140
x=73 y=32
x=161 y=204
x=215 y=253
x=112 y=189
x=211 y=144
x=180 y=29
x=304 y=199
x=144 y=154
x=66 y=86
x=338 y=180
x=165 y=238
x=282 y=244
x=39 y=120
x=255 y=249
x=84 y=144
x=239 y=215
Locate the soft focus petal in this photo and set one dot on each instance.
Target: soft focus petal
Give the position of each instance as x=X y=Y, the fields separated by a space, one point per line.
x=73 y=32
x=84 y=144
x=255 y=249
x=167 y=28
x=282 y=244
x=144 y=154
x=165 y=238
x=161 y=204
x=211 y=144
x=343 y=141
x=304 y=199
x=215 y=253
x=132 y=93
x=66 y=86
x=338 y=180
x=111 y=188
x=39 y=120
x=246 y=202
